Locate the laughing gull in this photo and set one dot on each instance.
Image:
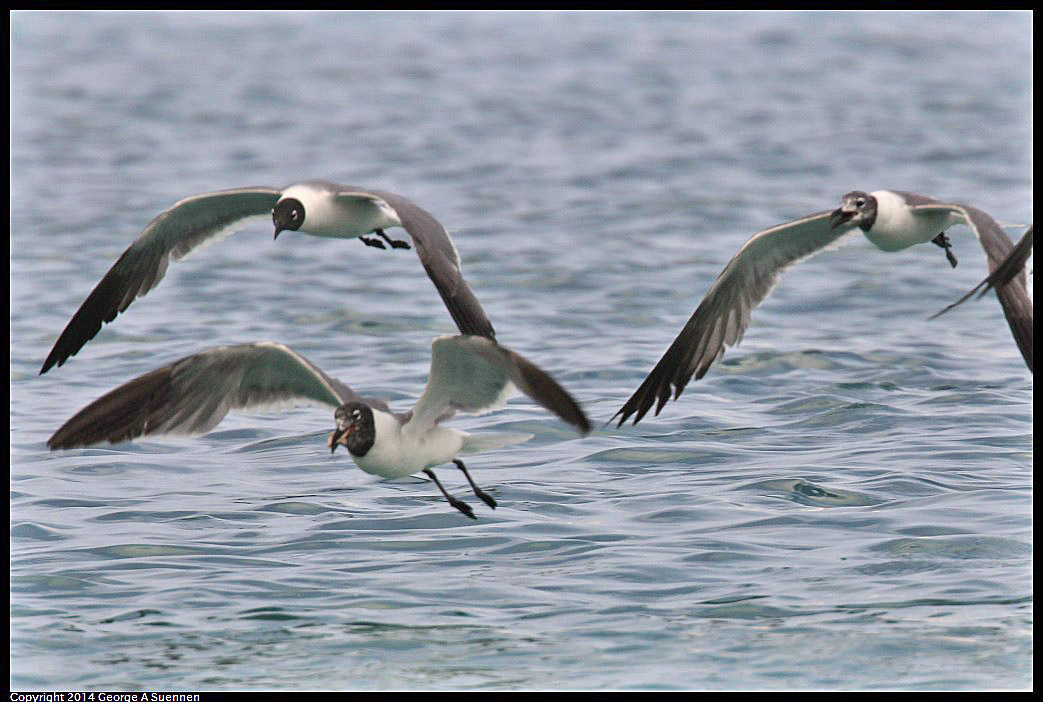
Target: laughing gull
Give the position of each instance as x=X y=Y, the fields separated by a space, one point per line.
x=314 y=207
x=1002 y=274
x=892 y=220
x=471 y=374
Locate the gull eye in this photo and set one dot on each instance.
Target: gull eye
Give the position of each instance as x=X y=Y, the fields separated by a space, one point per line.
x=860 y=202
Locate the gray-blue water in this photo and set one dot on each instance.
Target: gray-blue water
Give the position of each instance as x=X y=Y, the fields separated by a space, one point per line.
x=844 y=501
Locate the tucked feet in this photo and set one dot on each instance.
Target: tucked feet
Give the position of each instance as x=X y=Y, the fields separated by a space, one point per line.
x=945 y=243
x=395 y=243
x=369 y=241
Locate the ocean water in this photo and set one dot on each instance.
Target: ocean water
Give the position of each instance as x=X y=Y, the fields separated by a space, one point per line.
x=843 y=502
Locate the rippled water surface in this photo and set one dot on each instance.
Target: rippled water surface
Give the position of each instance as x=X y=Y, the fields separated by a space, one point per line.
x=844 y=501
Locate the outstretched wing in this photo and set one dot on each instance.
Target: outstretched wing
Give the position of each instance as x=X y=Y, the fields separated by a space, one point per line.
x=442 y=263
x=192 y=395
x=189 y=224
x=723 y=315
x=474 y=374
x=1013 y=295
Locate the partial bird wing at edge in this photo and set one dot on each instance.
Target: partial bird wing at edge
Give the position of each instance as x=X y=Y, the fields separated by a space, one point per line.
x=1013 y=295
x=1011 y=266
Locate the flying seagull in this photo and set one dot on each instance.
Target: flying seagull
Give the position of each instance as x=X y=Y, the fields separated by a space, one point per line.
x=471 y=374
x=314 y=207
x=1002 y=274
x=892 y=220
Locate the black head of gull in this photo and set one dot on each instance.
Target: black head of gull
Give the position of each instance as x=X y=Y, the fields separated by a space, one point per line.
x=891 y=219
x=356 y=429
x=469 y=374
x=287 y=215
x=314 y=207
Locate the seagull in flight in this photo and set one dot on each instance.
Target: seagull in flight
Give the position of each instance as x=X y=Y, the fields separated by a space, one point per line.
x=471 y=374
x=1002 y=274
x=891 y=219
x=314 y=207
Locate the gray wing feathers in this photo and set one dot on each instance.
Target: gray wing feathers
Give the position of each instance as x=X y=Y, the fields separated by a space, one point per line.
x=188 y=224
x=1002 y=274
x=540 y=387
x=465 y=376
x=474 y=374
x=442 y=263
x=1013 y=295
x=1014 y=264
x=192 y=395
x=722 y=317
x=201 y=219
x=915 y=199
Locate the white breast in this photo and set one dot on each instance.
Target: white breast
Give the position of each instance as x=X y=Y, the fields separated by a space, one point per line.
x=898 y=227
x=396 y=453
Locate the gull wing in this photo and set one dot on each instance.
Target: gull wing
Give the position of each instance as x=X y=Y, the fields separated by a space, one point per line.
x=192 y=395
x=189 y=224
x=441 y=260
x=1013 y=294
x=474 y=374
x=1003 y=273
x=722 y=317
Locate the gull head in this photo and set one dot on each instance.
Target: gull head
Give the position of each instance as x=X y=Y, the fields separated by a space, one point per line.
x=356 y=429
x=856 y=208
x=288 y=213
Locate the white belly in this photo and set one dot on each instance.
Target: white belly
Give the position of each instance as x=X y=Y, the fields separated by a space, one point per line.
x=341 y=217
x=396 y=454
x=897 y=227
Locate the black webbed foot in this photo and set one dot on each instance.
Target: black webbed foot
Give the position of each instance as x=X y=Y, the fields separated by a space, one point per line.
x=481 y=494
x=395 y=243
x=372 y=242
x=459 y=504
x=944 y=242
x=463 y=507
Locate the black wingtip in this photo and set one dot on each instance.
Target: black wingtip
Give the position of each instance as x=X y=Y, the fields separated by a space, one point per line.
x=57 y=357
x=131 y=410
x=585 y=427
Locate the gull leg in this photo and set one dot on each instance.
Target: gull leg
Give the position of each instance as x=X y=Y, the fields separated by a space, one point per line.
x=368 y=241
x=395 y=243
x=945 y=243
x=460 y=505
x=482 y=494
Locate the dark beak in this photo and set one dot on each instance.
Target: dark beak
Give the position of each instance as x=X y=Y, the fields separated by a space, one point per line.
x=279 y=226
x=336 y=433
x=338 y=437
x=840 y=216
